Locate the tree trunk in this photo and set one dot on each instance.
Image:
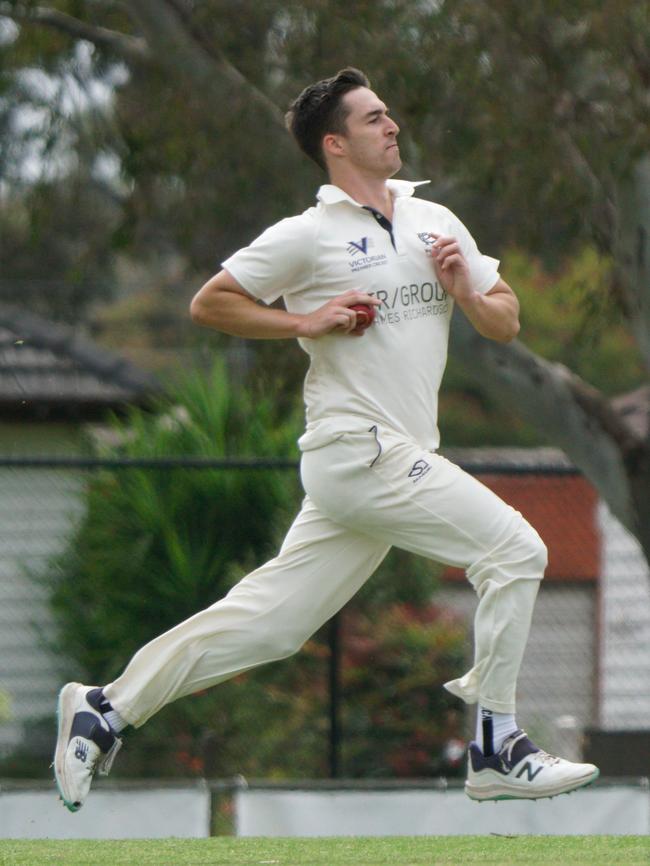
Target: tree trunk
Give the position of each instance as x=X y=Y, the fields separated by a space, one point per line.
x=631 y=249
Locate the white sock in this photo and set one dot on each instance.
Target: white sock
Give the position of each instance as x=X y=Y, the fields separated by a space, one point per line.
x=492 y=729
x=115 y=720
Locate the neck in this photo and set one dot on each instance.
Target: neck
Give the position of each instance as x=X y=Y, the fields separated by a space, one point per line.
x=369 y=191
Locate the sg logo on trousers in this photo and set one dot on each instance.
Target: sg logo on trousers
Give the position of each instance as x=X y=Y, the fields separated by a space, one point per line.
x=419 y=470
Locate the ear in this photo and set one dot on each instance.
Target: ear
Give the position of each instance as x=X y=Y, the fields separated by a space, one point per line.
x=333 y=145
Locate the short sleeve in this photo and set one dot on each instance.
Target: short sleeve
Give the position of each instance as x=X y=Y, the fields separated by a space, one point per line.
x=279 y=262
x=484 y=270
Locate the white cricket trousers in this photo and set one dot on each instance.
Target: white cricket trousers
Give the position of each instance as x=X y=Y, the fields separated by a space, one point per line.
x=366 y=492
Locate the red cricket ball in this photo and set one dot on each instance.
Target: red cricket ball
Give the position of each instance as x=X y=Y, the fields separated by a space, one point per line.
x=365 y=315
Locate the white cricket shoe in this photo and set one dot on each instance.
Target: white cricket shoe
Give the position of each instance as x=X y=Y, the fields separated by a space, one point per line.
x=85 y=744
x=522 y=771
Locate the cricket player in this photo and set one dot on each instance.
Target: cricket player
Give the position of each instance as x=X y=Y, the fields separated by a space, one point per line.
x=370 y=467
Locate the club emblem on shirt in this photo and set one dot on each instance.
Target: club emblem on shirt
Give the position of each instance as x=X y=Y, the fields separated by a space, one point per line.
x=360 y=246
x=426 y=239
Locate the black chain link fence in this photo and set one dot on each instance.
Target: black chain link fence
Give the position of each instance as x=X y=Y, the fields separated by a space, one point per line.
x=585 y=670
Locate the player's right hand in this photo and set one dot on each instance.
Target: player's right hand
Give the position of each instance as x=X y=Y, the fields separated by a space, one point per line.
x=336 y=316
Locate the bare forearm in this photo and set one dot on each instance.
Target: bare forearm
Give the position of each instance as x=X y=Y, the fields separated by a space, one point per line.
x=241 y=316
x=494 y=315
x=224 y=305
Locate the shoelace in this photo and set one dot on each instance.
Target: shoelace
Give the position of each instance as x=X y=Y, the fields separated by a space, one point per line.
x=542 y=756
x=545 y=758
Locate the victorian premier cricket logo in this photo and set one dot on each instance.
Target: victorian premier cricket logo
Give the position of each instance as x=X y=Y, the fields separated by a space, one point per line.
x=360 y=246
x=360 y=256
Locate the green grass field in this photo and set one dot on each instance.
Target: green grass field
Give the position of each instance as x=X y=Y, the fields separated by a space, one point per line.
x=357 y=851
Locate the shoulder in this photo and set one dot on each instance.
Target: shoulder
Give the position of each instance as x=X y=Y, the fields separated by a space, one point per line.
x=424 y=208
x=293 y=229
x=440 y=215
x=432 y=208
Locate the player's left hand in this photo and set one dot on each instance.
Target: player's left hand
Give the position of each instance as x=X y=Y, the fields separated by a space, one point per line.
x=451 y=267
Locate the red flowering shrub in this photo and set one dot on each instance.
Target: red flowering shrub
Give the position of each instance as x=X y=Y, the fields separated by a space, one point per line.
x=397 y=718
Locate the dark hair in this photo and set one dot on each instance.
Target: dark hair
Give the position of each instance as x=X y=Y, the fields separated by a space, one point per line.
x=319 y=110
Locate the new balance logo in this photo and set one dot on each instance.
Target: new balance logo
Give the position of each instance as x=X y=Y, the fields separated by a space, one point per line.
x=528 y=767
x=361 y=246
x=81 y=751
x=419 y=470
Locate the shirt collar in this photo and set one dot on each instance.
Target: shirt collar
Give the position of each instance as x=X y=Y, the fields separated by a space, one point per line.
x=330 y=194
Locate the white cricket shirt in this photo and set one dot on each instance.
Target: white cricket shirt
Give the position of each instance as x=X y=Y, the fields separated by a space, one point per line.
x=391 y=375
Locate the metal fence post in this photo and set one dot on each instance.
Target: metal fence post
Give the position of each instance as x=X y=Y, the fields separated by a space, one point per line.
x=334 y=695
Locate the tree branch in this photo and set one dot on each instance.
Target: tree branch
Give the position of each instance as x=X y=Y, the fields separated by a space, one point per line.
x=168 y=39
x=566 y=410
x=604 y=210
x=164 y=27
x=631 y=247
x=601 y=411
x=130 y=48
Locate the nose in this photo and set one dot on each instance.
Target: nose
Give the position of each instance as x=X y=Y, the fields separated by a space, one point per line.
x=393 y=128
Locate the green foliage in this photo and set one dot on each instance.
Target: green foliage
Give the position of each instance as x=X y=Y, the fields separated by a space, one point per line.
x=569 y=315
x=527 y=118
x=56 y=249
x=274 y=723
x=397 y=717
x=524 y=116
x=156 y=545
x=397 y=650
x=467 y=418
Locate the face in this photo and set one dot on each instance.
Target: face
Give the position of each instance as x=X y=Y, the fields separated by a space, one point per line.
x=370 y=141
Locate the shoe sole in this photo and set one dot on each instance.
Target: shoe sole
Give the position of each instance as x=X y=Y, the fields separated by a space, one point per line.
x=65 y=712
x=500 y=792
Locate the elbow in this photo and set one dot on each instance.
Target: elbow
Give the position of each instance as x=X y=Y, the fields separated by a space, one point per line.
x=198 y=310
x=512 y=332
x=505 y=334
